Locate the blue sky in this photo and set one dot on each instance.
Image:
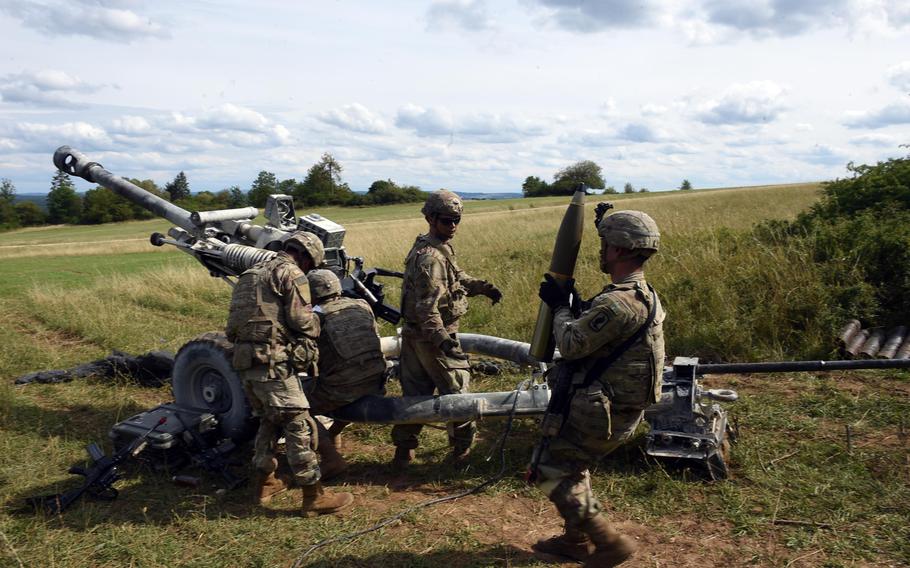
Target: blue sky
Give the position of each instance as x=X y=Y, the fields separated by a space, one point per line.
x=472 y=95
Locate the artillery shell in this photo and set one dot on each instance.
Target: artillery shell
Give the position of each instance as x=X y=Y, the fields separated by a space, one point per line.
x=847 y=332
x=895 y=338
x=904 y=351
x=856 y=343
x=873 y=343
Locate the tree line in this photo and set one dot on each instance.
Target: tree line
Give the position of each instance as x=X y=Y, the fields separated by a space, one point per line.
x=322 y=185
x=584 y=173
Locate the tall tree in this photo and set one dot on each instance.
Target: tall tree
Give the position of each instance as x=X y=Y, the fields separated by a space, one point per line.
x=585 y=172
x=266 y=184
x=628 y=188
x=533 y=186
x=235 y=197
x=8 y=216
x=323 y=184
x=179 y=188
x=63 y=203
x=685 y=185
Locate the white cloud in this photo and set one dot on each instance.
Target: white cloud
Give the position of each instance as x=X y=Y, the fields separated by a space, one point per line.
x=892 y=114
x=653 y=110
x=84 y=17
x=899 y=76
x=588 y=16
x=354 y=117
x=640 y=132
x=232 y=117
x=878 y=140
x=47 y=87
x=465 y=15
x=425 y=122
x=42 y=137
x=751 y=103
x=131 y=125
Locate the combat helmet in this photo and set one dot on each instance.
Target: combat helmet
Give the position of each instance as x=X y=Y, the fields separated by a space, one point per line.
x=323 y=284
x=308 y=243
x=442 y=202
x=633 y=230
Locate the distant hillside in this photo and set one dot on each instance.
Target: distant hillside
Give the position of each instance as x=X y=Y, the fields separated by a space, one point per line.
x=39 y=198
x=473 y=195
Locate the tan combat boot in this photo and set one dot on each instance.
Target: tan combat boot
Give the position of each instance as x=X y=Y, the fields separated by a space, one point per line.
x=610 y=547
x=318 y=501
x=331 y=463
x=572 y=544
x=402 y=459
x=268 y=485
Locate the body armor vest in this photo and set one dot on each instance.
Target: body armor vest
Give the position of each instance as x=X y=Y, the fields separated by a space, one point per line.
x=256 y=315
x=349 y=348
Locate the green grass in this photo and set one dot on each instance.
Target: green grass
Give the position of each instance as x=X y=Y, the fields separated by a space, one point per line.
x=81 y=296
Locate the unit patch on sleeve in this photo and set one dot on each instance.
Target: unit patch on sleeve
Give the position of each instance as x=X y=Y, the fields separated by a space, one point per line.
x=598 y=322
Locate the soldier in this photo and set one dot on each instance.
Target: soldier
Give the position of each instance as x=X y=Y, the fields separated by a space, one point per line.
x=274 y=332
x=433 y=297
x=351 y=364
x=626 y=321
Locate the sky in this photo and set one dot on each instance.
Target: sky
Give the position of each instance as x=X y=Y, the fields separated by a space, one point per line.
x=470 y=95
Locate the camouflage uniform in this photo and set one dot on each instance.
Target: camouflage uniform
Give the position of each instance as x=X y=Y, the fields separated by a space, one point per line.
x=351 y=364
x=604 y=415
x=274 y=332
x=434 y=296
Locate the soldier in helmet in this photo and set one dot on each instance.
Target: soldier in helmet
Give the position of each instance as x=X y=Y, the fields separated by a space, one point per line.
x=433 y=298
x=616 y=347
x=351 y=364
x=274 y=332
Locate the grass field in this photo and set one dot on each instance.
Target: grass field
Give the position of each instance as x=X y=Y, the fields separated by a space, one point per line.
x=71 y=294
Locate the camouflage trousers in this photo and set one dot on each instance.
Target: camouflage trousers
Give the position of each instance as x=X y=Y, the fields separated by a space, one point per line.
x=591 y=431
x=281 y=406
x=425 y=369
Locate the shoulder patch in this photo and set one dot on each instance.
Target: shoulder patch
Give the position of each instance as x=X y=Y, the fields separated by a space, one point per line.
x=598 y=322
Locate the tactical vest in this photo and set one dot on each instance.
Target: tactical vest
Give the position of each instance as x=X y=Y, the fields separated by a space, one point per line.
x=349 y=349
x=633 y=381
x=453 y=301
x=256 y=315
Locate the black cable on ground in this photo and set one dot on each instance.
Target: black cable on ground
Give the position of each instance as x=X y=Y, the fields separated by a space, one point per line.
x=390 y=520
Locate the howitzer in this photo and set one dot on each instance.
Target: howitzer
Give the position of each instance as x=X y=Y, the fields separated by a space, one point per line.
x=227 y=242
x=99 y=477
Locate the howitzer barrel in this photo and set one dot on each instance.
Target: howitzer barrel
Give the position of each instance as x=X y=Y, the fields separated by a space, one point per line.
x=800 y=366
x=75 y=163
x=444 y=408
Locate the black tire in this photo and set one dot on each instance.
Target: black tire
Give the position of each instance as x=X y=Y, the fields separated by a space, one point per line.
x=204 y=378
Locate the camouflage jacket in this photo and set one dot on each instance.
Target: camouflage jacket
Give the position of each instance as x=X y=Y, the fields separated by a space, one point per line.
x=435 y=291
x=633 y=381
x=270 y=316
x=349 y=349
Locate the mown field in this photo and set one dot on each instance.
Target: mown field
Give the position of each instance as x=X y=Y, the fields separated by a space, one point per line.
x=72 y=294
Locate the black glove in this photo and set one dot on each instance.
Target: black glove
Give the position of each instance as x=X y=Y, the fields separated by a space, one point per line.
x=494 y=294
x=578 y=303
x=553 y=293
x=452 y=349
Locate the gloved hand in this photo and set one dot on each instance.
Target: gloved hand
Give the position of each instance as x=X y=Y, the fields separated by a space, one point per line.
x=452 y=349
x=493 y=293
x=578 y=303
x=553 y=293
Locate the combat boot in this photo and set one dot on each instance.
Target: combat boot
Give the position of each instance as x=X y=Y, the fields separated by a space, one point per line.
x=572 y=544
x=610 y=547
x=267 y=486
x=403 y=457
x=318 y=501
x=331 y=463
x=459 y=458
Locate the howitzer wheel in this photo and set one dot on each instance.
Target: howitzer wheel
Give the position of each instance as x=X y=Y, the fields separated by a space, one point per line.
x=204 y=378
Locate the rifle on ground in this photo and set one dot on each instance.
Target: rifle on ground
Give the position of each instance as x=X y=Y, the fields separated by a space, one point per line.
x=99 y=478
